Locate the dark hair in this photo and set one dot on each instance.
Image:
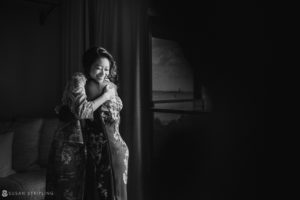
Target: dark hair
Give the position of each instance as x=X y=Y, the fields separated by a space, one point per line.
x=94 y=53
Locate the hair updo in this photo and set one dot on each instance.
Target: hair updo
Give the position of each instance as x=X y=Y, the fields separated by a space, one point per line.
x=92 y=55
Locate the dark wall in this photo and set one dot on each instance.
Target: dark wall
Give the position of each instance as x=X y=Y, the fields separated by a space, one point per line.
x=30 y=59
x=218 y=155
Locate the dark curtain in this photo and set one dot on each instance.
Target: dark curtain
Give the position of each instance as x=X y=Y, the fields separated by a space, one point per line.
x=120 y=26
x=74 y=40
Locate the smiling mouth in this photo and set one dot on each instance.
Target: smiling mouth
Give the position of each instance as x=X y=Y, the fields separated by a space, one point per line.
x=101 y=77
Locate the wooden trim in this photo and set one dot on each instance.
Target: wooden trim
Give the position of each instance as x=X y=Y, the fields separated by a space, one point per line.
x=176 y=111
x=173 y=101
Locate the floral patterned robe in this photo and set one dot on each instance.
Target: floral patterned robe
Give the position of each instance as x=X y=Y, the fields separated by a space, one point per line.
x=88 y=159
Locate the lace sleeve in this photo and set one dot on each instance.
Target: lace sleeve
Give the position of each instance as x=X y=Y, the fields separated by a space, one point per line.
x=75 y=97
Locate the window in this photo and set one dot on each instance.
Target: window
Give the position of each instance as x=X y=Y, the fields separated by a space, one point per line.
x=172 y=82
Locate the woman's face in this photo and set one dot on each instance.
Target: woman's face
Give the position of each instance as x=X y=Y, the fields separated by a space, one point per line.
x=100 y=69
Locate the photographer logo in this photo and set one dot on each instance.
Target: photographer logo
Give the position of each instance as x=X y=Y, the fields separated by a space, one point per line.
x=4 y=193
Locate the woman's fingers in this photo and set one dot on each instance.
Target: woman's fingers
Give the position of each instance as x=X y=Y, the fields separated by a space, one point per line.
x=109 y=90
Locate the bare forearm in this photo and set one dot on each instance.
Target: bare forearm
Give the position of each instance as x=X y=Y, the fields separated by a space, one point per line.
x=99 y=101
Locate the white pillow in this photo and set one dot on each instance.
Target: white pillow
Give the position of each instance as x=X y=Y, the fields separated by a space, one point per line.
x=6 y=140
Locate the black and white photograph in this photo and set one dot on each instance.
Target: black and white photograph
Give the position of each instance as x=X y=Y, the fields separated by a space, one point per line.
x=133 y=99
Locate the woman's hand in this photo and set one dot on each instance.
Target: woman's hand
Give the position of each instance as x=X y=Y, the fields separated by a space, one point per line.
x=109 y=92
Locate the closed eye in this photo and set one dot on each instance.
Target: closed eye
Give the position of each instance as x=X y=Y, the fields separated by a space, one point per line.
x=99 y=67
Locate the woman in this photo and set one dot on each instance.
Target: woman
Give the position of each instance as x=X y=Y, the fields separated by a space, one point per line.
x=89 y=159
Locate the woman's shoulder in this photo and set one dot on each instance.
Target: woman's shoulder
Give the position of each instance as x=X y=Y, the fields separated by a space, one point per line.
x=78 y=79
x=79 y=76
x=113 y=85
